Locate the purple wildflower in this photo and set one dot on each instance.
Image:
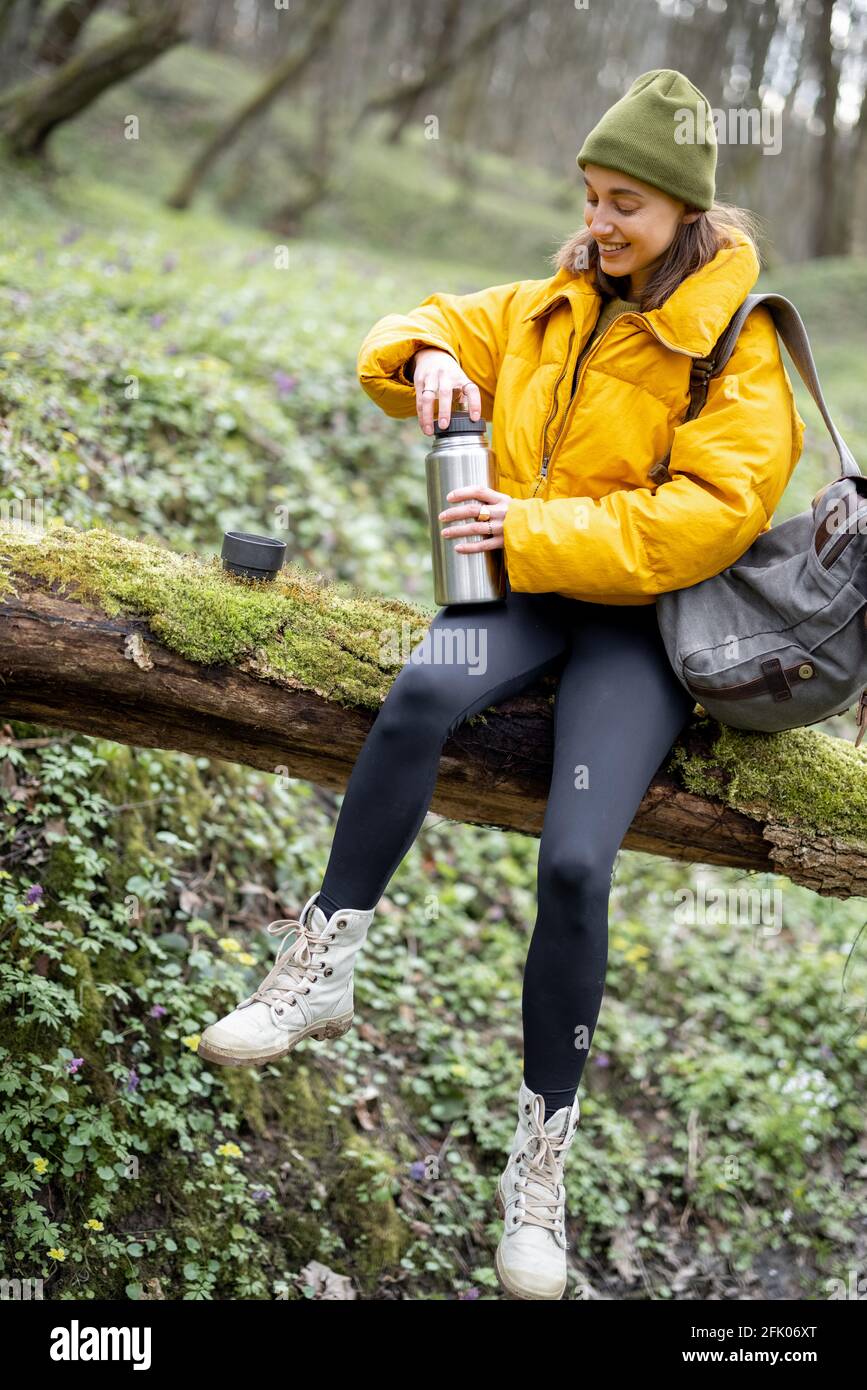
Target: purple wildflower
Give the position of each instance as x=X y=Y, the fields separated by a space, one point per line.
x=132 y=1079
x=468 y=1294
x=602 y=1060
x=285 y=384
x=75 y=1064
x=34 y=893
x=158 y=1011
x=417 y=1170
x=70 y=235
x=260 y=1194
x=157 y=320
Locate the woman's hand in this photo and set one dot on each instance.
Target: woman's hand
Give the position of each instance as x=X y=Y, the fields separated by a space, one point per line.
x=436 y=375
x=477 y=497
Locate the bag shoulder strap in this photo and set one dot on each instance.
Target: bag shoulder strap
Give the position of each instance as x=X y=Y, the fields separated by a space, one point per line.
x=790 y=327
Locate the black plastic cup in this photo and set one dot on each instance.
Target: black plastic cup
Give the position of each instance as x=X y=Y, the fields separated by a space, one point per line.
x=257 y=557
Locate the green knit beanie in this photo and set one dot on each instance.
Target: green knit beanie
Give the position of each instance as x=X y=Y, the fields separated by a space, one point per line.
x=639 y=135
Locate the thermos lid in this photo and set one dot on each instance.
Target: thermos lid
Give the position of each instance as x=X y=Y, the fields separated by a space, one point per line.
x=460 y=423
x=259 y=557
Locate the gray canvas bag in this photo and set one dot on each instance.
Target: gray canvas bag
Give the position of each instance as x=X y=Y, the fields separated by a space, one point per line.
x=778 y=640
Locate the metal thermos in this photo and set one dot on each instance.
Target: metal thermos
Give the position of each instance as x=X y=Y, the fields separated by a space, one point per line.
x=460 y=457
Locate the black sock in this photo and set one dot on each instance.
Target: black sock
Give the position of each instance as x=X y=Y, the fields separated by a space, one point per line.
x=328 y=905
x=555 y=1100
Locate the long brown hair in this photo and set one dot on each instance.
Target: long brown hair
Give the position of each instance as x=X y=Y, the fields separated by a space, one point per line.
x=695 y=243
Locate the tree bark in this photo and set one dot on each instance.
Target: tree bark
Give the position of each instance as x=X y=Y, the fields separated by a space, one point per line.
x=439 y=57
x=826 y=217
x=65 y=662
x=63 y=31
x=31 y=112
x=19 y=20
x=289 y=70
x=405 y=96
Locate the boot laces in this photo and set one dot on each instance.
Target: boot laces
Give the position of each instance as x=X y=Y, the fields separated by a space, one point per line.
x=295 y=965
x=540 y=1173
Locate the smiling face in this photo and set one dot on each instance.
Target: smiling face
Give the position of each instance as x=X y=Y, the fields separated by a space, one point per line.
x=621 y=211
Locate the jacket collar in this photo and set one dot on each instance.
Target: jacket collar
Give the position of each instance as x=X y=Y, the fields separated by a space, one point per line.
x=693 y=317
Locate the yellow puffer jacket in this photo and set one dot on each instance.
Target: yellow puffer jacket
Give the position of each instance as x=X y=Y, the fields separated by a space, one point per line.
x=589 y=522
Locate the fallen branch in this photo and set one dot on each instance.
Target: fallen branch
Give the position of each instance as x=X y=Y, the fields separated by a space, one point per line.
x=126 y=640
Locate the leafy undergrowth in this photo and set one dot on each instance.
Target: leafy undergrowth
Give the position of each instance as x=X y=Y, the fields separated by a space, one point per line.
x=721 y=1134
x=173 y=379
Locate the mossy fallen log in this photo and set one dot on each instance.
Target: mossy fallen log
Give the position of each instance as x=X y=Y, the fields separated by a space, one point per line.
x=127 y=640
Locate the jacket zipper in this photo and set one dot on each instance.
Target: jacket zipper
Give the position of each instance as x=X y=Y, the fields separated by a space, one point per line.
x=544 y=468
x=546 y=458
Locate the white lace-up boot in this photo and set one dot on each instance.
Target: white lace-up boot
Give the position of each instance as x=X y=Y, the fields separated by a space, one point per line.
x=531 y=1256
x=303 y=995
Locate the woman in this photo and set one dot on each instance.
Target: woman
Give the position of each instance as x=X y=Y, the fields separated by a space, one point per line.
x=605 y=500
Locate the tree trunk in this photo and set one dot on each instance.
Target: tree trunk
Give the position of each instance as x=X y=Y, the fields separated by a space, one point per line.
x=315 y=169
x=826 y=223
x=18 y=21
x=64 y=30
x=856 y=244
x=279 y=79
x=438 y=58
x=31 y=112
x=405 y=96
x=96 y=633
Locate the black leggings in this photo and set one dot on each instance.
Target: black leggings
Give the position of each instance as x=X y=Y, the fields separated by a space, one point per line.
x=618 y=710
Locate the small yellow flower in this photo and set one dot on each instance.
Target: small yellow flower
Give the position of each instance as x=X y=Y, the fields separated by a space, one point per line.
x=11 y=356
x=246 y=959
x=636 y=953
x=228 y=943
x=69 y=436
x=56 y=1254
x=861 y=1040
x=83 y=481
x=192 y=1042
x=230 y=1150
x=458 y=1069
x=437 y=1000
x=94 y=1225
x=619 y=943
x=41 y=1165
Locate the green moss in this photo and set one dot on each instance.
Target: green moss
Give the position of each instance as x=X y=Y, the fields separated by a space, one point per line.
x=244 y=1090
x=296 y=630
x=361 y=1208
x=348 y=646
x=357 y=1172
x=803 y=777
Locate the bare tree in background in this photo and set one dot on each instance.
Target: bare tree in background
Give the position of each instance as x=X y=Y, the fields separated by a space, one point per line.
x=453 y=56
x=29 y=113
x=828 y=233
x=18 y=21
x=280 y=80
x=63 y=31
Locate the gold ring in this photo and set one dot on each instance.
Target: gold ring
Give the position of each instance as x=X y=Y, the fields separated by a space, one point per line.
x=483 y=514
